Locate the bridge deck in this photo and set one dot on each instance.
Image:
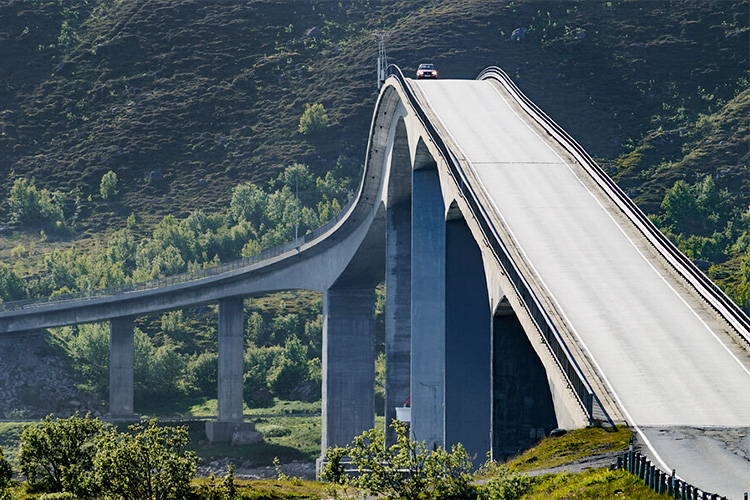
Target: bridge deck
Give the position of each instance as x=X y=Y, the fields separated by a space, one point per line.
x=664 y=362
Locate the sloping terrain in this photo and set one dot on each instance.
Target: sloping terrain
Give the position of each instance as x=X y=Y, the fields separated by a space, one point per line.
x=208 y=94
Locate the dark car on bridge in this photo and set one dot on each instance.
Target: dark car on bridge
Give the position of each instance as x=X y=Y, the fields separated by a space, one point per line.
x=426 y=70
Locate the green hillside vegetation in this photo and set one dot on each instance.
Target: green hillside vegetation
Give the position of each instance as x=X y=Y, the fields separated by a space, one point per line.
x=141 y=139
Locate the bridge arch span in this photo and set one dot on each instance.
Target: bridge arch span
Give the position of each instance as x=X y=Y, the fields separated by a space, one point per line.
x=499 y=240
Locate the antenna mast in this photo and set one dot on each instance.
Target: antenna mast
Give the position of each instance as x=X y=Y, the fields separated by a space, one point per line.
x=382 y=58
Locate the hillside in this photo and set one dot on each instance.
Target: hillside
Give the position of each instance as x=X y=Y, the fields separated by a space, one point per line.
x=210 y=93
x=186 y=99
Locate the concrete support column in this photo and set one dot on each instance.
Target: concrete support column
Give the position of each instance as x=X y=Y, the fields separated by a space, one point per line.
x=348 y=365
x=397 y=312
x=522 y=408
x=467 y=344
x=231 y=367
x=121 y=362
x=427 y=308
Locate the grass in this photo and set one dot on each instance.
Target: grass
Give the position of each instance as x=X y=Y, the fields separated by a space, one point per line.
x=10 y=438
x=594 y=485
x=572 y=446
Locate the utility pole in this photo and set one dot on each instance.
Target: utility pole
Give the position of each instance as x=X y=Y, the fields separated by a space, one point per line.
x=382 y=58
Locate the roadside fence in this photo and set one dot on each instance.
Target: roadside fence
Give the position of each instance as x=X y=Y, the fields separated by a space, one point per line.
x=661 y=482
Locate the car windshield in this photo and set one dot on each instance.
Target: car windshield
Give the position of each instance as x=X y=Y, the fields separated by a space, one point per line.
x=426 y=66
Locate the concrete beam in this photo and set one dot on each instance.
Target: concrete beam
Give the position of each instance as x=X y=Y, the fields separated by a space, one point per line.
x=121 y=364
x=427 y=308
x=231 y=367
x=348 y=365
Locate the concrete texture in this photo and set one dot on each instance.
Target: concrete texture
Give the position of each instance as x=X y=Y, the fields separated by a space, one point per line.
x=348 y=365
x=427 y=309
x=231 y=366
x=468 y=368
x=398 y=282
x=232 y=432
x=522 y=407
x=121 y=364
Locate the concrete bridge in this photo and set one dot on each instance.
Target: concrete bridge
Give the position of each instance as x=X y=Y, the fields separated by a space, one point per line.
x=524 y=292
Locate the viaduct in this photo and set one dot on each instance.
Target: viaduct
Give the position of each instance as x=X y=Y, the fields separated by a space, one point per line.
x=524 y=292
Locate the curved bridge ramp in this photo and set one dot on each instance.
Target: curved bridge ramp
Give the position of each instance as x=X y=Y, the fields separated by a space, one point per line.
x=524 y=291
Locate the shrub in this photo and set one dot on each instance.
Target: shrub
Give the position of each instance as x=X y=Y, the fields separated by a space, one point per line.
x=58 y=454
x=11 y=285
x=406 y=470
x=6 y=472
x=29 y=204
x=108 y=185
x=507 y=485
x=314 y=120
x=147 y=463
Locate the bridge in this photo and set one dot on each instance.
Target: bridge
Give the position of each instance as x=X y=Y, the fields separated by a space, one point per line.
x=524 y=292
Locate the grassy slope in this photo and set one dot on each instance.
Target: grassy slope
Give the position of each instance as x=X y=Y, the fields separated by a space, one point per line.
x=213 y=90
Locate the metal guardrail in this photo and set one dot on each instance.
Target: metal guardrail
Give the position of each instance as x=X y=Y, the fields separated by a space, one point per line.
x=179 y=278
x=659 y=481
x=700 y=282
x=560 y=350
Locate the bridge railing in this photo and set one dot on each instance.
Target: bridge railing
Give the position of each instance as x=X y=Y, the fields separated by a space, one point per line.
x=554 y=340
x=659 y=481
x=177 y=279
x=713 y=295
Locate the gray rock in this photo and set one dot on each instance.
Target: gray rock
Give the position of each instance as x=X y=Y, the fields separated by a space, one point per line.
x=246 y=437
x=518 y=34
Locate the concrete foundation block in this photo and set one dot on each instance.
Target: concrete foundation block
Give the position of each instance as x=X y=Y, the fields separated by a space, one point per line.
x=224 y=432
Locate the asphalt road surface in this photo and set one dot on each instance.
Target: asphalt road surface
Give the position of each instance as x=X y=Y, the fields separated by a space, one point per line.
x=673 y=373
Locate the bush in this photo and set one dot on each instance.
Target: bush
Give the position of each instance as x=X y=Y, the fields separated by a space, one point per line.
x=6 y=472
x=58 y=454
x=406 y=470
x=507 y=485
x=314 y=120
x=108 y=185
x=29 y=204
x=11 y=285
x=148 y=463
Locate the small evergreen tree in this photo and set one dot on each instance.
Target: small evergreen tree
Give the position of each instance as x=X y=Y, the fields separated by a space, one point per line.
x=108 y=186
x=314 y=120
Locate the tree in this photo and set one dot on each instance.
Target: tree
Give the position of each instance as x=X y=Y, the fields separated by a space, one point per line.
x=249 y=204
x=6 y=472
x=59 y=453
x=290 y=369
x=314 y=120
x=108 y=185
x=147 y=463
x=29 y=204
x=11 y=285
